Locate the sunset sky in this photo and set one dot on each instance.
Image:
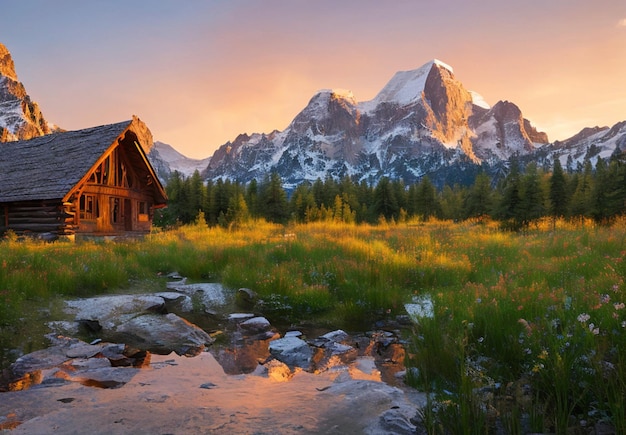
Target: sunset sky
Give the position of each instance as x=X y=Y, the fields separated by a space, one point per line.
x=199 y=72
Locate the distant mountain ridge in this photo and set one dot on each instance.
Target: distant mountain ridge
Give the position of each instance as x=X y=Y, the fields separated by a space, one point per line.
x=20 y=117
x=422 y=122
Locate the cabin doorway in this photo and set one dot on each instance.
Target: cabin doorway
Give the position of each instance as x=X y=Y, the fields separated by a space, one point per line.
x=128 y=215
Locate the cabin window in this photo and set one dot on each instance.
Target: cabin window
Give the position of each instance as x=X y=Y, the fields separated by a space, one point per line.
x=115 y=210
x=89 y=207
x=142 y=212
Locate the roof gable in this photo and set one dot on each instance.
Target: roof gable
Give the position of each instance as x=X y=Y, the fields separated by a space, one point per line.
x=48 y=167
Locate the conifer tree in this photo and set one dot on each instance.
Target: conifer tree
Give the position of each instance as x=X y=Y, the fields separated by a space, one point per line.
x=558 y=191
x=384 y=200
x=478 y=202
x=274 y=200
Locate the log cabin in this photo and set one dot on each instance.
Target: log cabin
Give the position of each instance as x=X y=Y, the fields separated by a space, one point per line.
x=91 y=182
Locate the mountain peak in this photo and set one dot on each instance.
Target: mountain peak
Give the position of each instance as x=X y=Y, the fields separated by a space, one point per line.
x=406 y=87
x=21 y=117
x=7 y=68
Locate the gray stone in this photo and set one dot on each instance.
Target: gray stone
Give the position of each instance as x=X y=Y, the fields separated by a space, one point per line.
x=210 y=294
x=108 y=311
x=292 y=351
x=246 y=298
x=256 y=324
x=162 y=334
x=336 y=336
x=238 y=317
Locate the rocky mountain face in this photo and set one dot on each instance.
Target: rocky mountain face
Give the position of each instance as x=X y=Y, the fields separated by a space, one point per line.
x=423 y=122
x=165 y=160
x=20 y=117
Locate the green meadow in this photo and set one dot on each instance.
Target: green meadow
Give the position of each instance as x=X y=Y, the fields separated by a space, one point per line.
x=521 y=332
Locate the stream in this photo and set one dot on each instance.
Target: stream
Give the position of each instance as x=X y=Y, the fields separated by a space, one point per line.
x=344 y=381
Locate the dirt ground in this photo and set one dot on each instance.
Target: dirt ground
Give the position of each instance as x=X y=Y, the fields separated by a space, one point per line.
x=177 y=395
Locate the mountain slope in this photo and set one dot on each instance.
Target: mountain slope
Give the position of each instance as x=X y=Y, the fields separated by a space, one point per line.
x=20 y=117
x=165 y=160
x=422 y=122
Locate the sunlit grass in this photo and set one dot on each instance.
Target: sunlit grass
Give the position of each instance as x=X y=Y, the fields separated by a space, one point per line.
x=507 y=307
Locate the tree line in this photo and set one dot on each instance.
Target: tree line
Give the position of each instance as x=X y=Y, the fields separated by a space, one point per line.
x=526 y=194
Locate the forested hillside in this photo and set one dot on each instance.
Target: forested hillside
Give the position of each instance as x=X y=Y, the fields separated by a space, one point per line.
x=526 y=194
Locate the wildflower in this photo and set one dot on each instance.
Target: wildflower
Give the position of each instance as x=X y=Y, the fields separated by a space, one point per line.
x=593 y=329
x=605 y=299
x=481 y=339
x=624 y=324
x=584 y=317
x=526 y=326
x=619 y=306
x=478 y=300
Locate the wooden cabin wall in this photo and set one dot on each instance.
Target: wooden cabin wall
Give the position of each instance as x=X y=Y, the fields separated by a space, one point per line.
x=35 y=217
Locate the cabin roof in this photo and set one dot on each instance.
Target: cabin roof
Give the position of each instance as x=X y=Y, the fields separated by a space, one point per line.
x=48 y=167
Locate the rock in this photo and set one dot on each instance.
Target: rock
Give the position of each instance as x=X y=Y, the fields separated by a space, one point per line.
x=256 y=324
x=278 y=371
x=238 y=317
x=175 y=300
x=104 y=377
x=246 y=298
x=293 y=334
x=336 y=336
x=162 y=334
x=109 y=311
x=385 y=409
x=209 y=294
x=292 y=351
x=45 y=358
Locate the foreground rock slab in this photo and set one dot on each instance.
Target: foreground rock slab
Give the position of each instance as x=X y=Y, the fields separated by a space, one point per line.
x=161 y=334
x=178 y=395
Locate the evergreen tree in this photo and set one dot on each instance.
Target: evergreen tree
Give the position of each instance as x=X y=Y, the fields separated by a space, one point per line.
x=452 y=200
x=303 y=202
x=580 y=202
x=479 y=202
x=384 y=201
x=558 y=191
x=509 y=207
x=273 y=200
x=531 y=203
x=427 y=203
x=252 y=198
x=600 y=193
x=237 y=213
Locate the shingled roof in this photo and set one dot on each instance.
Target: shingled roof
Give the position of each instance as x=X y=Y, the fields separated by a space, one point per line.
x=48 y=167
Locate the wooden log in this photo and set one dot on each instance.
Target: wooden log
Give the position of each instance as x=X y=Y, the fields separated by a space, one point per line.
x=37 y=228
x=35 y=220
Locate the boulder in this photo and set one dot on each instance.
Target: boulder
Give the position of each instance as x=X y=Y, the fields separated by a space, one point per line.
x=209 y=294
x=292 y=351
x=109 y=311
x=70 y=359
x=256 y=325
x=246 y=298
x=161 y=334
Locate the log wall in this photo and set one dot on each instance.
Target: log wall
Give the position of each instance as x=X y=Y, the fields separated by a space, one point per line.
x=35 y=217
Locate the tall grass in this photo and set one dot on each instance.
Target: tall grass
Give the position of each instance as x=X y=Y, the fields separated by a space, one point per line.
x=523 y=328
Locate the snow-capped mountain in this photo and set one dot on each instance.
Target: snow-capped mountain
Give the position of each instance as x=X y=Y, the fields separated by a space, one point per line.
x=423 y=122
x=165 y=160
x=20 y=117
x=589 y=143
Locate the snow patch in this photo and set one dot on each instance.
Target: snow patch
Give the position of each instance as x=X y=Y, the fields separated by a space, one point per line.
x=405 y=87
x=479 y=101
